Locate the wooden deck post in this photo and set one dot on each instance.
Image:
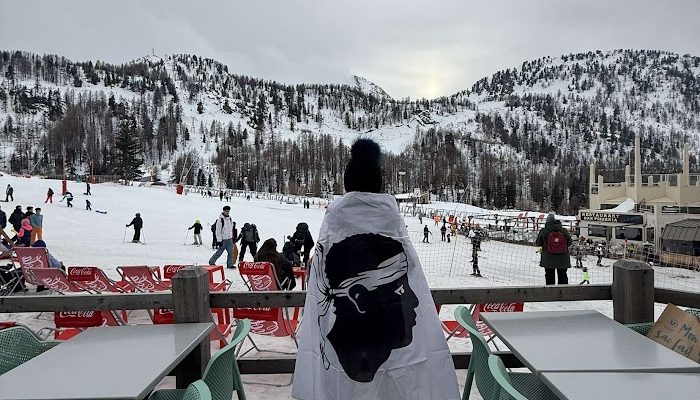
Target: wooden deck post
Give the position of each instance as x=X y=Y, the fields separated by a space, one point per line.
x=633 y=292
x=191 y=304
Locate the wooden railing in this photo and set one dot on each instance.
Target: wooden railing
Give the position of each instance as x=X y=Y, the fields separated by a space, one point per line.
x=632 y=292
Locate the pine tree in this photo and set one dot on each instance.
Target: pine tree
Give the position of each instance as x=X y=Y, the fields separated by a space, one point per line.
x=128 y=158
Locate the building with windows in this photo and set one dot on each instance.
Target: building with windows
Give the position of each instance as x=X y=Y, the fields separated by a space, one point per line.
x=637 y=209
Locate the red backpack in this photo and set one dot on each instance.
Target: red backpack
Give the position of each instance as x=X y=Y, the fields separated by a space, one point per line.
x=556 y=243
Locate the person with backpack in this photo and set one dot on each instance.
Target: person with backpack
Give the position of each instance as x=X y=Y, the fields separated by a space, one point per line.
x=16 y=220
x=249 y=239
x=49 y=196
x=554 y=242
x=223 y=231
x=197 y=232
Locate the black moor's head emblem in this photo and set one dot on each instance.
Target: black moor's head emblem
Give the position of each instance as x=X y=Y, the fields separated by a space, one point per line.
x=374 y=306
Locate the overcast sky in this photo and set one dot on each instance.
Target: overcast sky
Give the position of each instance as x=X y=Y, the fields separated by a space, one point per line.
x=409 y=47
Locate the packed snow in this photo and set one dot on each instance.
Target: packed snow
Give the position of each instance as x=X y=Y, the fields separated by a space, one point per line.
x=80 y=237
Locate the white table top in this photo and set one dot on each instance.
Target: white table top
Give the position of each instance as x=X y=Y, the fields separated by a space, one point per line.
x=623 y=385
x=123 y=362
x=569 y=341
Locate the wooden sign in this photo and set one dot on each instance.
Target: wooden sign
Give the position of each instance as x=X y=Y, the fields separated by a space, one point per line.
x=679 y=331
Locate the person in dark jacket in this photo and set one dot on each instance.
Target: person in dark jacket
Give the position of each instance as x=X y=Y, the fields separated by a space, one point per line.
x=290 y=253
x=283 y=267
x=137 y=223
x=49 y=196
x=16 y=218
x=443 y=232
x=558 y=262
x=197 y=232
x=3 y=219
x=426 y=231
x=249 y=239
x=302 y=238
x=8 y=193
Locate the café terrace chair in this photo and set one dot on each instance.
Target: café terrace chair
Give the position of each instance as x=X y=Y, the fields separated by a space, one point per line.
x=526 y=383
x=503 y=383
x=221 y=375
x=19 y=345
x=195 y=391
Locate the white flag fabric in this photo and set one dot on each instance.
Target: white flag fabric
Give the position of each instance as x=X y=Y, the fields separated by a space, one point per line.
x=370 y=329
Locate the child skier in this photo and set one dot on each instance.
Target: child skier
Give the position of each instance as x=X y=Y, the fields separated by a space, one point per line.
x=579 y=256
x=599 y=253
x=586 y=277
x=88 y=205
x=197 y=232
x=475 y=260
x=68 y=197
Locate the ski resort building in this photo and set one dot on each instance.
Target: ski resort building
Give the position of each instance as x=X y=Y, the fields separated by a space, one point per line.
x=638 y=209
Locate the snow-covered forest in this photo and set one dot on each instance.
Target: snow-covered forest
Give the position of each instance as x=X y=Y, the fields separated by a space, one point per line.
x=522 y=137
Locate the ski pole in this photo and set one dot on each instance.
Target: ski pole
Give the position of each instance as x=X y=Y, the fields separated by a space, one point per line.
x=143 y=232
x=188 y=234
x=125 y=229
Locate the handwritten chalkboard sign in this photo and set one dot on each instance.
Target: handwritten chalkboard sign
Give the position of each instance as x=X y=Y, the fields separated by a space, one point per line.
x=679 y=331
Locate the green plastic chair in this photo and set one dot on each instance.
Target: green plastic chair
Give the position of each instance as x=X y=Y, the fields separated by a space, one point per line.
x=195 y=391
x=503 y=384
x=524 y=382
x=19 y=345
x=221 y=375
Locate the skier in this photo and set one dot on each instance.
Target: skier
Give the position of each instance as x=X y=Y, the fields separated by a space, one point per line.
x=197 y=232
x=223 y=231
x=578 y=254
x=37 y=222
x=448 y=238
x=475 y=258
x=8 y=193
x=68 y=197
x=599 y=253
x=88 y=205
x=87 y=187
x=443 y=232
x=554 y=242
x=137 y=222
x=221 y=195
x=302 y=237
x=49 y=196
x=249 y=239
x=453 y=229
x=426 y=231
x=586 y=277
x=420 y=218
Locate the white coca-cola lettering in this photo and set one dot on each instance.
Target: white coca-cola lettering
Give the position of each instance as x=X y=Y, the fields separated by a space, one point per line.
x=499 y=307
x=260 y=282
x=76 y=314
x=142 y=282
x=267 y=328
x=32 y=262
x=55 y=284
x=82 y=271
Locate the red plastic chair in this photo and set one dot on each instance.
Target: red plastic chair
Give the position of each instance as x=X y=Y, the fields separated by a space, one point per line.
x=30 y=258
x=261 y=277
x=95 y=279
x=71 y=323
x=56 y=280
x=142 y=278
x=454 y=329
